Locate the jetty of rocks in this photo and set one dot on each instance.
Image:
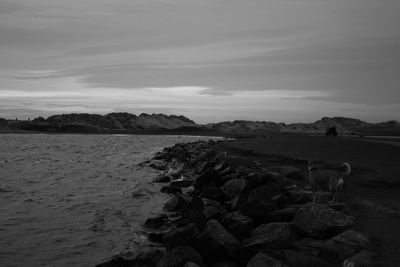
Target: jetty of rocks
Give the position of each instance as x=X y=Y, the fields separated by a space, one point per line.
x=227 y=209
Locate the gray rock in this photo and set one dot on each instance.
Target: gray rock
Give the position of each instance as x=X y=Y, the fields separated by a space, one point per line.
x=318 y=220
x=361 y=259
x=162 y=178
x=346 y=244
x=263 y=260
x=233 y=188
x=239 y=225
x=157 y=222
x=177 y=202
x=269 y=236
x=181 y=236
x=216 y=242
x=178 y=256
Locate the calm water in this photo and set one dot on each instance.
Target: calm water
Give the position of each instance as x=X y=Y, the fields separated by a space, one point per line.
x=75 y=200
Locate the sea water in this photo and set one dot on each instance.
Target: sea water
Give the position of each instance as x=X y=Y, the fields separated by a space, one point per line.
x=75 y=200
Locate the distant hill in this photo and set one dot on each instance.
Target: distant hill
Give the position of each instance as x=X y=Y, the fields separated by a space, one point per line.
x=345 y=126
x=159 y=123
x=112 y=122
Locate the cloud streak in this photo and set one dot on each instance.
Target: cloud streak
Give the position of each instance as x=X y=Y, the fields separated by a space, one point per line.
x=209 y=60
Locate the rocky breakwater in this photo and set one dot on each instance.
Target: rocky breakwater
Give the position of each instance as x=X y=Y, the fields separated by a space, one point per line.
x=229 y=210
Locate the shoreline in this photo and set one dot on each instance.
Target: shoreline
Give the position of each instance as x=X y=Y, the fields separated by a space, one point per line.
x=213 y=200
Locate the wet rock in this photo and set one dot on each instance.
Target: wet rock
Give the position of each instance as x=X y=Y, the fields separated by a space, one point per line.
x=212 y=192
x=257 y=179
x=157 y=222
x=146 y=256
x=263 y=200
x=301 y=259
x=181 y=236
x=361 y=259
x=178 y=256
x=263 y=260
x=162 y=178
x=171 y=189
x=308 y=245
x=213 y=209
x=269 y=236
x=182 y=182
x=158 y=165
x=177 y=202
x=234 y=188
x=216 y=242
x=194 y=216
x=206 y=177
x=318 y=220
x=283 y=215
x=239 y=225
x=346 y=244
x=157 y=237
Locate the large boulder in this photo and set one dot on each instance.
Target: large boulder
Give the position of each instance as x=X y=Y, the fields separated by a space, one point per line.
x=211 y=191
x=238 y=224
x=263 y=260
x=213 y=209
x=178 y=256
x=162 y=178
x=177 y=202
x=346 y=244
x=318 y=220
x=171 y=189
x=269 y=236
x=216 y=242
x=234 y=188
x=181 y=236
x=257 y=179
x=205 y=177
x=361 y=259
x=157 y=221
x=264 y=200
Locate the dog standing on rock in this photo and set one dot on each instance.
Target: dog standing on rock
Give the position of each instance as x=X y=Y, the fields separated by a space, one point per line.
x=331 y=179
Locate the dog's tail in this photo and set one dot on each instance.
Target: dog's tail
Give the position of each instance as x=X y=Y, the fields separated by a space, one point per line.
x=346 y=169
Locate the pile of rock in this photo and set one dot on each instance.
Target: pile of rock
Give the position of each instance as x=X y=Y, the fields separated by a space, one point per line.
x=227 y=210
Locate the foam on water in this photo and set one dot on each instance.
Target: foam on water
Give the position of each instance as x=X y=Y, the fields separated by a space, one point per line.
x=75 y=200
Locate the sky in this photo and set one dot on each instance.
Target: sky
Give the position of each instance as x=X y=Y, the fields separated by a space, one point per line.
x=209 y=60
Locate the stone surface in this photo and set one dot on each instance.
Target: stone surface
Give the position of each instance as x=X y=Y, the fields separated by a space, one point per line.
x=178 y=256
x=269 y=236
x=162 y=178
x=234 y=188
x=181 y=236
x=263 y=260
x=239 y=225
x=346 y=244
x=177 y=202
x=361 y=259
x=318 y=220
x=157 y=222
x=215 y=242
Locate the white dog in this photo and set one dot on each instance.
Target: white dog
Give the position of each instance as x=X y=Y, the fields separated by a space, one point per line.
x=331 y=179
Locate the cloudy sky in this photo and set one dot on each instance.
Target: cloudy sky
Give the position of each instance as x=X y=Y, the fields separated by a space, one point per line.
x=210 y=60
